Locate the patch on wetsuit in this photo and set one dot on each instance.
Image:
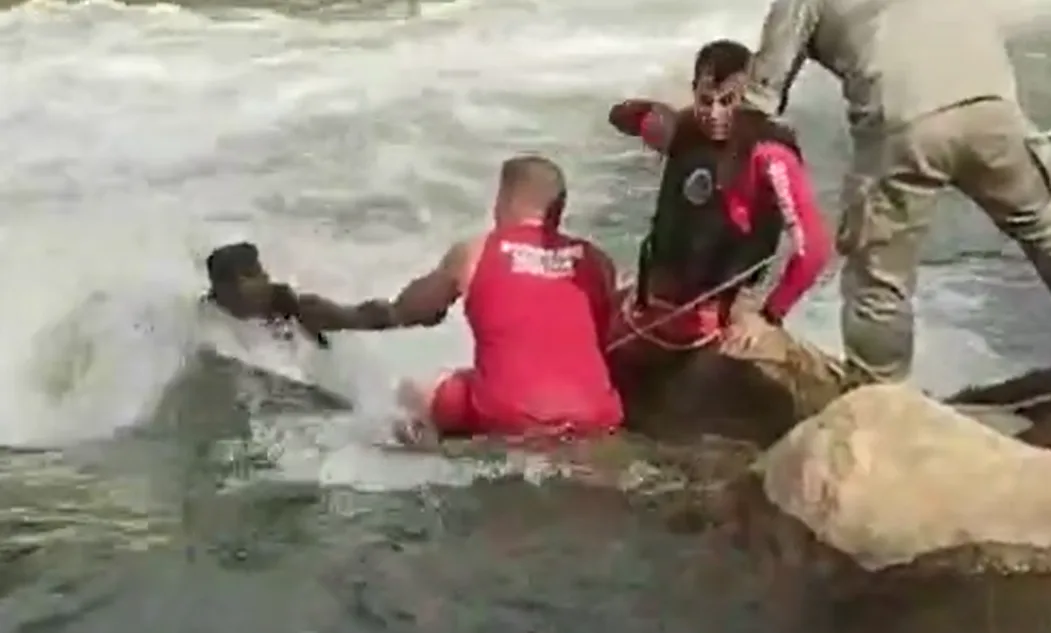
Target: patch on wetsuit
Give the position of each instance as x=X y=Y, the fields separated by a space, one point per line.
x=698 y=186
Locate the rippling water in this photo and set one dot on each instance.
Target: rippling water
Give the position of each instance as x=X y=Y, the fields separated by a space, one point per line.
x=352 y=141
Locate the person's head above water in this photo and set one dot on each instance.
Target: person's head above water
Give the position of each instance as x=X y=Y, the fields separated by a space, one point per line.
x=719 y=71
x=242 y=288
x=239 y=284
x=531 y=188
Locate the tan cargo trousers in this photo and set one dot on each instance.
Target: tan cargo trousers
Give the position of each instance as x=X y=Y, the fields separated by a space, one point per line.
x=981 y=149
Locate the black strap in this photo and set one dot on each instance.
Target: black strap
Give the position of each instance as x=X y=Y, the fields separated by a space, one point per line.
x=642 y=280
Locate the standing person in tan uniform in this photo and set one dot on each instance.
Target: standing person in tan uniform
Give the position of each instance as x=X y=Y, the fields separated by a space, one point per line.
x=931 y=103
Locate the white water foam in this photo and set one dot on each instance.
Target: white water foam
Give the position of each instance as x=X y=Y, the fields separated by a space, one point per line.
x=142 y=136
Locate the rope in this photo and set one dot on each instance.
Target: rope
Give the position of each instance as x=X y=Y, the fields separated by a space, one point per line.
x=644 y=332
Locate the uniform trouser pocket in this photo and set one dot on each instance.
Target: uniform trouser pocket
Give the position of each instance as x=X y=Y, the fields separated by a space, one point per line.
x=851 y=225
x=878 y=236
x=866 y=215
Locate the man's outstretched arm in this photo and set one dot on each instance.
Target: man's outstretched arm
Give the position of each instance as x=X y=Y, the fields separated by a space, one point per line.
x=423 y=301
x=652 y=121
x=787 y=31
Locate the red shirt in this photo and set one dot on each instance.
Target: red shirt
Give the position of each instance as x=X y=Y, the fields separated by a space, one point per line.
x=538 y=305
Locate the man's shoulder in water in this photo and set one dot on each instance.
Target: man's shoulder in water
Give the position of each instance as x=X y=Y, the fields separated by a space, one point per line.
x=243 y=306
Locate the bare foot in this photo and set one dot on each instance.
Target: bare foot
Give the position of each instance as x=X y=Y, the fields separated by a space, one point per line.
x=415 y=434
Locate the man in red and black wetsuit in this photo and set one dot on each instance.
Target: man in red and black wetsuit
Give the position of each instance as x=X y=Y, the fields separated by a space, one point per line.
x=719 y=219
x=537 y=302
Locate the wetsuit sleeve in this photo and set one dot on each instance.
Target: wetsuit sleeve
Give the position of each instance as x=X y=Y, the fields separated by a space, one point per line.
x=783 y=44
x=652 y=121
x=782 y=174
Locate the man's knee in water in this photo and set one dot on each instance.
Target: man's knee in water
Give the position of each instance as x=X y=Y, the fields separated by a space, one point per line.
x=415 y=397
x=445 y=403
x=418 y=430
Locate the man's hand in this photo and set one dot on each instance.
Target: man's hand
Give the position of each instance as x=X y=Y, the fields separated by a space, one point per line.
x=433 y=319
x=374 y=314
x=625 y=279
x=283 y=300
x=652 y=121
x=743 y=334
x=627 y=115
x=318 y=313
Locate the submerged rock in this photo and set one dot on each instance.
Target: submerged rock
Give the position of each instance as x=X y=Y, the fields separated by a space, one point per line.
x=755 y=396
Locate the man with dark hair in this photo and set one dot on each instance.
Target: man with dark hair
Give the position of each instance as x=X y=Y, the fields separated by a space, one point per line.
x=706 y=266
x=718 y=70
x=537 y=302
x=241 y=287
x=931 y=103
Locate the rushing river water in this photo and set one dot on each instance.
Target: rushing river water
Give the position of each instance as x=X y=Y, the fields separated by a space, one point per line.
x=352 y=141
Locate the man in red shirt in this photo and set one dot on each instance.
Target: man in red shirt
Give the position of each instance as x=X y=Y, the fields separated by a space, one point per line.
x=537 y=302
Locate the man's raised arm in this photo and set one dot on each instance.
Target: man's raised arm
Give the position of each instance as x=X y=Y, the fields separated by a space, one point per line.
x=783 y=44
x=652 y=121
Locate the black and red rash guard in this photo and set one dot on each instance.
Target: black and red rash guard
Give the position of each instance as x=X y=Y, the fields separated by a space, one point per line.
x=771 y=197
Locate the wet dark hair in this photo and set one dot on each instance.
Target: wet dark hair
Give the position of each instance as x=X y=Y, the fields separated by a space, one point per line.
x=721 y=59
x=229 y=262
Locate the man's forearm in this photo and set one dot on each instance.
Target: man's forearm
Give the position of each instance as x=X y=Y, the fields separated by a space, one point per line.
x=374 y=314
x=786 y=35
x=406 y=314
x=382 y=314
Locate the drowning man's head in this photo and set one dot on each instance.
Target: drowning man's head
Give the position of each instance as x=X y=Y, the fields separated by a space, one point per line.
x=241 y=287
x=239 y=284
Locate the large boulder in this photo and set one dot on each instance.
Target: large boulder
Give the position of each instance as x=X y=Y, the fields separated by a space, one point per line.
x=887 y=476
x=887 y=490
